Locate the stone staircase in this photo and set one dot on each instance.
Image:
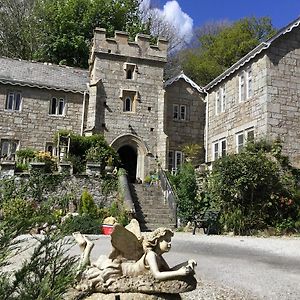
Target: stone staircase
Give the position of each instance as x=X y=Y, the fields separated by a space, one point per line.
x=151 y=209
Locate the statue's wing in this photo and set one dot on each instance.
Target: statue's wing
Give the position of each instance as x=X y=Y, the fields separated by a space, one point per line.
x=125 y=244
x=134 y=227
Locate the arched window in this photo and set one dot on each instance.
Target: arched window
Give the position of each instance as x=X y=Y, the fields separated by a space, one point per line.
x=128 y=104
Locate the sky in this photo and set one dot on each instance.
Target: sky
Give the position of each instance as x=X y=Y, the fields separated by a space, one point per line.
x=187 y=15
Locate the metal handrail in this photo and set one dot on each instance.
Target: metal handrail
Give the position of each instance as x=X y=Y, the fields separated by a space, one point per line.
x=169 y=193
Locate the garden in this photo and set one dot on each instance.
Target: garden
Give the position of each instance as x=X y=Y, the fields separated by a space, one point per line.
x=254 y=192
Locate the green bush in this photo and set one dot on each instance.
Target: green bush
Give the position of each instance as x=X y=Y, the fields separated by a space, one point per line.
x=18 y=209
x=87 y=205
x=185 y=186
x=83 y=223
x=254 y=190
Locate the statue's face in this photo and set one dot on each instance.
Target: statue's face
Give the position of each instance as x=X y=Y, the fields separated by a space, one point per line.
x=164 y=243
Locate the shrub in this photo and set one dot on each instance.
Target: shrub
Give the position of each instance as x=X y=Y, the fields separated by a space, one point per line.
x=87 y=204
x=254 y=189
x=83 y=223
x=18 y=209
x=185 y=186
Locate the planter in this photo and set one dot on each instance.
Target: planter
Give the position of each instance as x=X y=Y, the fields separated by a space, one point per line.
x=107 y=229
x=93 y=169
x=38 y=166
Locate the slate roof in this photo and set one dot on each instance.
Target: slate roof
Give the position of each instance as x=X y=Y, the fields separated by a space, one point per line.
x=253 y=53
x=185 y=78
x=43 y=75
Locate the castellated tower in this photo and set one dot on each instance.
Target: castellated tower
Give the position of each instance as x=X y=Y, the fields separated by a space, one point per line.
x=126 y=101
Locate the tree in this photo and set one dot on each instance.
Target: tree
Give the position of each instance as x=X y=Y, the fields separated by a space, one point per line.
x=17 y=29
x=60 y=31
x=222 y=46
x=66 y=27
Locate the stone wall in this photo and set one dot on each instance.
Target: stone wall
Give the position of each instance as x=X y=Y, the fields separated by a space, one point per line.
x=238 y=116
x=283 y=93
x=32 y=125
x=189 y=131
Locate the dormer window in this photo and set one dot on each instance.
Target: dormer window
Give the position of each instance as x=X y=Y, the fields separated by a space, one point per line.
x=129 y=71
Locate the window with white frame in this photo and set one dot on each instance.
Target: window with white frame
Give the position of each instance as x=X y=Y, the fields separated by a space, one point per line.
x=13 y=101
x=179 y=112
x=219 y=148
x=9 y=148
x=245 y=85
x=249 y=83
x=57 y=106
x=175 y=160
x=243 y=137
x=220 y=100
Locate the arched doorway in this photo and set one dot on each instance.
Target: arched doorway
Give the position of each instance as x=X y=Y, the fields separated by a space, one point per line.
x=133 y=153
x=128 y=158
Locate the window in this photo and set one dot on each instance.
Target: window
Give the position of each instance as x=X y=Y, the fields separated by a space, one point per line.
x=128 y=103
x=175 y=112
x=243 y=137
x=129 y=70
x=245 y=85
x=57 y=106
x=129 y=99
x=179 y=112
x=13 y=101
x=219 y=149
x=220 y=100
x=9 y=148
x=51 y=149
x=175 y=159
x=249 y=83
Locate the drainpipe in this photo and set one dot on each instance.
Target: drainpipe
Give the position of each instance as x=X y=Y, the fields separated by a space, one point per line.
x=206 y=128
x=83 y=111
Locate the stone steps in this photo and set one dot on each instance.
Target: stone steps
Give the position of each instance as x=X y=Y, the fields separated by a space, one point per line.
x=151 y=210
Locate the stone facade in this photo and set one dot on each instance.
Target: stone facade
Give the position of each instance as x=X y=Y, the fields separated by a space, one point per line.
x=123 y=71
x=185 y=117
x=269 y=76
x=123 y=96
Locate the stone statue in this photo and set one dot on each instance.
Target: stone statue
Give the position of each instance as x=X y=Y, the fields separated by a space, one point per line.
x=135 y=264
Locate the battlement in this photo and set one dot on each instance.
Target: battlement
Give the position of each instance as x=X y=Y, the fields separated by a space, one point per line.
x=120 y=45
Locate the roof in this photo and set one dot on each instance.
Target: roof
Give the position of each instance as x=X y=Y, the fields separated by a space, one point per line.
x=185 y=78
x=43 y=75
x=253 y=53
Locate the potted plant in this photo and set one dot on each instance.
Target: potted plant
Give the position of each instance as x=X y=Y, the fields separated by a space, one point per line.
x=109 y=164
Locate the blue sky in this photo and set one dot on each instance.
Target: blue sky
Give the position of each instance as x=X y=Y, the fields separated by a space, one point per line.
x=281 y=12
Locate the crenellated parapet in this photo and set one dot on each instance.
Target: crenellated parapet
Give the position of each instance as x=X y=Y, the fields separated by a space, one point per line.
x=120 y=45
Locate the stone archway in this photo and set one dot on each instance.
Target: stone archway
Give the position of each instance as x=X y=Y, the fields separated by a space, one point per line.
x=132 y=152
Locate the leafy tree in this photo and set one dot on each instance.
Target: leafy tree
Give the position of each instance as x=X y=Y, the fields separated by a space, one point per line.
x=17 y=28
x=222 y=47
x=61 y=31
x=185 y=186
x=66 y=27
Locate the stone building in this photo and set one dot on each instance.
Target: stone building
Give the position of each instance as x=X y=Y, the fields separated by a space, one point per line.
x=257 y=97
x=122 y=96
x=37 y=100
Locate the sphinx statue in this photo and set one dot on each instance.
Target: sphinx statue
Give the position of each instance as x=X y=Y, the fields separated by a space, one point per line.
x=134 y=265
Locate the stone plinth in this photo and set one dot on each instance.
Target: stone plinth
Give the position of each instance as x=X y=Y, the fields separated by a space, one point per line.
x=7 y=168
x=93 y=169
x=65 y=168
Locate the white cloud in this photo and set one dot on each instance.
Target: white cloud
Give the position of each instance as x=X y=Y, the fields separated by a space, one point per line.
x=173 y=14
